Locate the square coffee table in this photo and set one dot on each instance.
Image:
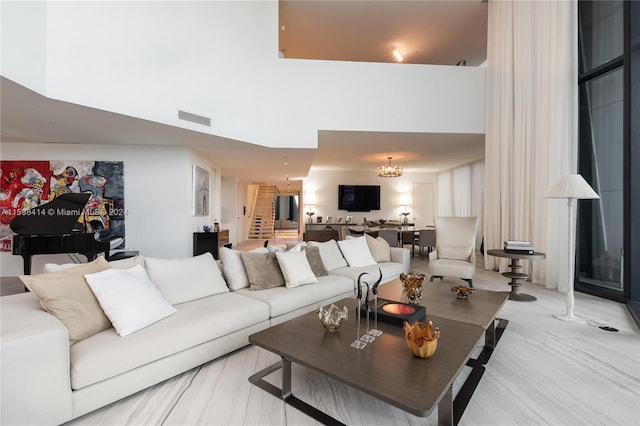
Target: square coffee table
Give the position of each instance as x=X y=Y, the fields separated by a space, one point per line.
x=385 y=369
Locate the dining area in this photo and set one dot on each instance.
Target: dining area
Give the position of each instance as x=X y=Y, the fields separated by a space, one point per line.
x=420 y=241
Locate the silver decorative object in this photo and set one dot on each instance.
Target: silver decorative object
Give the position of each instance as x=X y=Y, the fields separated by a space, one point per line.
x=331 y=318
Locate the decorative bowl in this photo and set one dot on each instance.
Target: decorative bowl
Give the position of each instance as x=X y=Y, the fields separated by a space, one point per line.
x=412 y=286
x=462 y=292
x=331 y=318
x=420 y=339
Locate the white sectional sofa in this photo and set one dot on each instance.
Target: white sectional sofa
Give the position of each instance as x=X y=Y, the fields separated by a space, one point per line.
x=47 y=380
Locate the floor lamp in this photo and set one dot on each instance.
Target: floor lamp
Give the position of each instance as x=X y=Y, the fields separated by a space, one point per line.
x=570 y=187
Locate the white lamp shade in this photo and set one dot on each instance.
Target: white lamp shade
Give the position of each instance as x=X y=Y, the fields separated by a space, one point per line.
x=310 y=198
x=570 y=186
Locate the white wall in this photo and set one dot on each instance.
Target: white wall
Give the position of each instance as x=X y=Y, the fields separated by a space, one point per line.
x=337 y=95
x=24 y=43
x=157 y=196
x=149 y=59
x=219 y=59
x=325 y=185
x=229 y=216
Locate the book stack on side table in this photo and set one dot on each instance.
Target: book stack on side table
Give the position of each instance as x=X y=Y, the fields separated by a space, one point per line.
x=518 y=247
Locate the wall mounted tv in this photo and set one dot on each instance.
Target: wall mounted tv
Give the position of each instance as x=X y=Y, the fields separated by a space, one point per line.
x=358 y=198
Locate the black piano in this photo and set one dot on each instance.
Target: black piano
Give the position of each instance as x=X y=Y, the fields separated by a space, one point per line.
x=52 y=228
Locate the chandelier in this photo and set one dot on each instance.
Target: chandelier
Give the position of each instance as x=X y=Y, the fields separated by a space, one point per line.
x=388 y=170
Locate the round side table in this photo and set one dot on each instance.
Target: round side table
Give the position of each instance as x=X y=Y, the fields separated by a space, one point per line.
x=516 y=276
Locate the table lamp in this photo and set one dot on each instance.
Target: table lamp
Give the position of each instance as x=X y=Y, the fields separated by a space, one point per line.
x=570 y=187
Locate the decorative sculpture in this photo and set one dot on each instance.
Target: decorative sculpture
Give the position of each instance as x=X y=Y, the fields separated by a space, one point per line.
x=463 y=292
x=374 y=289
x=420 y=339
x=358 y=344
x=412 y=286
x=332 y=317
x=366 y=337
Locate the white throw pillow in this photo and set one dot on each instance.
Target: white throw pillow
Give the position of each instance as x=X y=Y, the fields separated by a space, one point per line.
x=330 y=254
x=183 y=280
x=128 y=298
x=295 y=268
x=119 y=264
x=356 y=251
x=379 y=248
x=233 y=268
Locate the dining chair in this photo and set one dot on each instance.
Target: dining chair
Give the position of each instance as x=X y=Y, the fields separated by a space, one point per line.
x=426 y=239
x=390 y=236
x=408 y=237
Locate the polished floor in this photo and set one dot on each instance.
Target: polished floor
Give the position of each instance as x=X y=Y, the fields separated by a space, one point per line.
x=544 y=372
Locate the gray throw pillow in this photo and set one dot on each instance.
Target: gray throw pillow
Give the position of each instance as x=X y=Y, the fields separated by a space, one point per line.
x=262 y=269
x=313 y=256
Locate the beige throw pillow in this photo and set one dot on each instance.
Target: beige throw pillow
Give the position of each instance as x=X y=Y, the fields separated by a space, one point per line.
x=379 y=248
x=262 y=269
x=67 y=296
x=315 y=261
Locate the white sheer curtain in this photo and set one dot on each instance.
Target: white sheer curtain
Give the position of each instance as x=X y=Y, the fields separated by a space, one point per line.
x=445 y=199
x=460 y=193
x=531 y=134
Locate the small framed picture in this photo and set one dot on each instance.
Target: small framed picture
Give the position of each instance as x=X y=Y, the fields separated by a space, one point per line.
x=339 y=219
x=319 y=219
x=349 y=219
x=329 y=219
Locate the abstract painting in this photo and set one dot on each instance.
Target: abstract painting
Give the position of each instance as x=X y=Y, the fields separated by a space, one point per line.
x=29 y=184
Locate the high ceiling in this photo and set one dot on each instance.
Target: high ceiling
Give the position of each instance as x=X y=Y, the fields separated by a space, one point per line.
x=427 y=32
x=436 y=32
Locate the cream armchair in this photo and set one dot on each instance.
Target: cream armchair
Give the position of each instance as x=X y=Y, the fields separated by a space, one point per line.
x=455 y=254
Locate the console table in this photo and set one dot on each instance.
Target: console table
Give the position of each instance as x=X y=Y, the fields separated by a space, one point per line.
x=209 y=242
x=517 y=277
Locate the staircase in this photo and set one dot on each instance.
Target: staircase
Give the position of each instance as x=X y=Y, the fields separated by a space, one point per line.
x=263 y=213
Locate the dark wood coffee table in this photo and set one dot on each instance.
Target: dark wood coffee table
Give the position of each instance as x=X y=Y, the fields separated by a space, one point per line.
x=479 y=309
x=384 y=369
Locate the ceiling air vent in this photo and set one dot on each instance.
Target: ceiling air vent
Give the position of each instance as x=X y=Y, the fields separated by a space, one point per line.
x=194 y=118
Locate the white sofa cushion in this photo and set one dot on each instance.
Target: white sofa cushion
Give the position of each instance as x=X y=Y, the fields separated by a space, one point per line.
x=452 y=268
x=233 y=268
x=106 y=355
x=295 y=268
x=182 y=280
x=454 y=252
x=356 y=252
x=128 y=298
x=282 y=300
x=330 y=253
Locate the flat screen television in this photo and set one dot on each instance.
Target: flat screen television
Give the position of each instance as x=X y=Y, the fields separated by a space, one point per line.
x=358 y=198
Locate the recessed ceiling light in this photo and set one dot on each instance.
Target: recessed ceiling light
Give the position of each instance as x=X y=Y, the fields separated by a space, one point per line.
x=397 y=55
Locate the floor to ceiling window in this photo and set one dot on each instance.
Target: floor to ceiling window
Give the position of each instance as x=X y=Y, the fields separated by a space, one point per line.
x=604 y=225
